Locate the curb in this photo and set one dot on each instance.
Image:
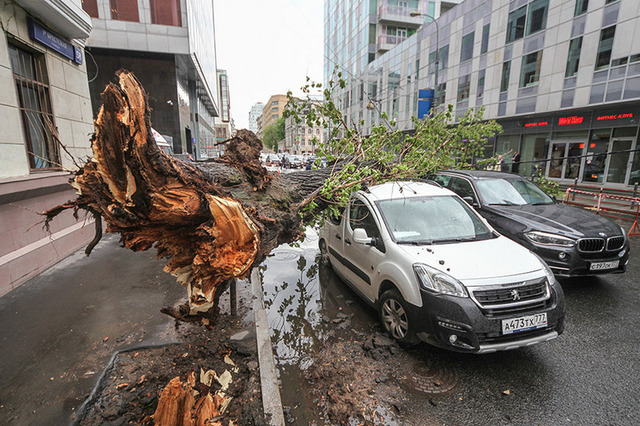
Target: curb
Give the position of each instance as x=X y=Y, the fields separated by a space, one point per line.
x=271 y=402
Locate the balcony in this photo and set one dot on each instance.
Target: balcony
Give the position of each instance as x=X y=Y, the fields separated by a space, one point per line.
x=387 y=42
x=399 y=15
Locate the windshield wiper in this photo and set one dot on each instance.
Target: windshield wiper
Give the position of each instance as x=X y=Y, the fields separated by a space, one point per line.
x=541 y=204
x=417 y=242
x=504 y=203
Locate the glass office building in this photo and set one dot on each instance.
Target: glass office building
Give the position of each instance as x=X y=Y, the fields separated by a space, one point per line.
x=561 y=76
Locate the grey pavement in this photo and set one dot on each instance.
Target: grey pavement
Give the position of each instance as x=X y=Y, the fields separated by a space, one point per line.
x=59 y=330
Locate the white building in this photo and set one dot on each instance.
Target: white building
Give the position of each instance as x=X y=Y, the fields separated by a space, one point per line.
x=254 y=114
x=300 y=138
x=44 y=87
x=562 y=77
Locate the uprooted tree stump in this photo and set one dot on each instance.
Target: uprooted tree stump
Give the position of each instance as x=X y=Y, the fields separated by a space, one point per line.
x=213 y=220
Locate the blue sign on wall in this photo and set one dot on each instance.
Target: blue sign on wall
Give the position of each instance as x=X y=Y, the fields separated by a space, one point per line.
x=425 y=102
x=54 y=41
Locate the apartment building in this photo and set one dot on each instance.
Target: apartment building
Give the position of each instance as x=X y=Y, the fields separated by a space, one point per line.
x=44 y=93
x=272 y=110
x=300 y=138
x=170 y=46
x=561 y=76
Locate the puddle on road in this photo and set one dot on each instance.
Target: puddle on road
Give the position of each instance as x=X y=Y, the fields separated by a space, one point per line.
x=306 y=306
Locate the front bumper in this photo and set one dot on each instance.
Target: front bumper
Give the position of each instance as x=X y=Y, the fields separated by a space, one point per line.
x=575 y=263
x=478 y=331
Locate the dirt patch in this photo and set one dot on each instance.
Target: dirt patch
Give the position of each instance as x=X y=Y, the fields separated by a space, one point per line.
x=133 y=386
x=355 y=381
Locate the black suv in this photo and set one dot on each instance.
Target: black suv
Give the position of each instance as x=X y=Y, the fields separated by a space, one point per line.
x=571 y=240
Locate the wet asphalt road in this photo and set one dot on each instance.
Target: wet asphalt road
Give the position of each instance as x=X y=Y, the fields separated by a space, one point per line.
x=590 y=375
x=59 y=329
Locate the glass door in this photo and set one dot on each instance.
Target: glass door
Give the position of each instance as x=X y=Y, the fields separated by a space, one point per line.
x=556 y=163
x=620 y=161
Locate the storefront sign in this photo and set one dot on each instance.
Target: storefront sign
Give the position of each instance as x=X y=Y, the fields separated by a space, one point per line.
x=566 y=121
x=54 y=42
x=537 y=124
x=614 y=117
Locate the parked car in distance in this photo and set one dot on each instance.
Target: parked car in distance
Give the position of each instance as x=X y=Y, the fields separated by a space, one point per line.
x=572 y=241
x=437 y=272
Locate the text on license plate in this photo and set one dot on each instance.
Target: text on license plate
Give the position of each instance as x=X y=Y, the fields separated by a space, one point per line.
x=599 y=266
x=530 y=322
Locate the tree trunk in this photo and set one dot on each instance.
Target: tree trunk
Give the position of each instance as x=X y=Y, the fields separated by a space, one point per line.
x=214 y=220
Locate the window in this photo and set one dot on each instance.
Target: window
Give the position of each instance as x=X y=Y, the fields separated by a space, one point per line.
x=124 y=10
x=360 y=217
x=29 y=75
x=464 y=86
x=274 y=103
x=91 y=7
x=537 y=16
x=441 y=93
x=604 y=48
x=573 y=58
x=462 y=187
x=481 y=75
x=504 y=81
x=581 y=7
x=515 y=24
x=484 y=47
x=609 y=1
x=530 y=73
x=443 y=59
x=466 y=51
x=166 y=12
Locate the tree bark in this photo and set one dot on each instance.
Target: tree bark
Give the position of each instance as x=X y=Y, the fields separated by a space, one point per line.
x=213 y=220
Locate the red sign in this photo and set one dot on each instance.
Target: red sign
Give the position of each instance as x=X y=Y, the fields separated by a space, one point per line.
x=565 y=121
x=536 y=124
x=614 y=117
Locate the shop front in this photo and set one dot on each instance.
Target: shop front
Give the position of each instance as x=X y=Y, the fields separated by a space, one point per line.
x=598 y=146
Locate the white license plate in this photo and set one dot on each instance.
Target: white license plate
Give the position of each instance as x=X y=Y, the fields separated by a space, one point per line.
x=530 y=322
x=600 y=266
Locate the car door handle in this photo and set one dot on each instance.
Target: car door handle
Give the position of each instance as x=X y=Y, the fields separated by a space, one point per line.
x=347 y=241
x=338 y=236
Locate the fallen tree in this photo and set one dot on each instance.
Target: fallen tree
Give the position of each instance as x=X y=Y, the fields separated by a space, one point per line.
x=215 y=220
x=212 y=220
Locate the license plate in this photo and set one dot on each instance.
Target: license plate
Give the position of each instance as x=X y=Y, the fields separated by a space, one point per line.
x=599 y=266
x=530 y=322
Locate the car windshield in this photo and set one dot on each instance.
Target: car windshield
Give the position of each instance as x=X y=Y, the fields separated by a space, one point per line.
x=511 y=192
x=432 y=220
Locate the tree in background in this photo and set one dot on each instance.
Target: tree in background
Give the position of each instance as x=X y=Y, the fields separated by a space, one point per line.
x=273 y=134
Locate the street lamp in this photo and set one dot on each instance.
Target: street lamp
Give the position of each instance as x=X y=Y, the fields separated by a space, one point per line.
x=418 y=13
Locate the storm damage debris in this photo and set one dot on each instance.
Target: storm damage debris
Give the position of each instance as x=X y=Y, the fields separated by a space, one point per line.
x=213 y=220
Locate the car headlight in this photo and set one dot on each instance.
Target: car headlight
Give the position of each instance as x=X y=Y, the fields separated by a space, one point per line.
x=547 y=271
x=547 y=239
x=438 y=282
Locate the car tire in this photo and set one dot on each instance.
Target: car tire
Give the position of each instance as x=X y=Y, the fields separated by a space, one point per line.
x=395 y=318
x=324 y=254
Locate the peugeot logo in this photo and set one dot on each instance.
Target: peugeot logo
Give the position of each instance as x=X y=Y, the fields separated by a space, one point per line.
x=515 y=295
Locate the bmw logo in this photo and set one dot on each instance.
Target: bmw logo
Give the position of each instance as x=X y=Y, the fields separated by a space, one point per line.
x=602 y=234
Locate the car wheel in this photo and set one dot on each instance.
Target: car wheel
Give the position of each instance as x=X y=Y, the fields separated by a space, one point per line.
x=395 y=318
x=324 y=254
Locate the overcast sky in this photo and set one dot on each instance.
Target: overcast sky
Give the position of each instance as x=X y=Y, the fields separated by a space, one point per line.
x=267 y=47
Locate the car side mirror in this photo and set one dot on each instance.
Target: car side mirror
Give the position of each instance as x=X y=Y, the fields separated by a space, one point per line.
x=360 y=236
x=470 y=201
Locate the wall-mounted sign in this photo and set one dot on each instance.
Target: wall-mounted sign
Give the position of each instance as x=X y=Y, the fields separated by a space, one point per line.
x=614 y=117
x=537 y=124
x=566 y=121
x=53 y=41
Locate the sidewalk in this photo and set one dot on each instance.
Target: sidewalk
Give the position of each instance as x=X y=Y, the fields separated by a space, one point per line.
x=60 y=329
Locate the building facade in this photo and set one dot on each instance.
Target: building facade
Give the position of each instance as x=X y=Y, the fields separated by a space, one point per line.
x=300 y=138
x=562 y=77
x=44 y=98
x=272 y=110
x=170 y=46
x=254 y=114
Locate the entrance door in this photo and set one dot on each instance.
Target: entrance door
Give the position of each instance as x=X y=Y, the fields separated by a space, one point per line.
x=619 y=166
x=566 y=158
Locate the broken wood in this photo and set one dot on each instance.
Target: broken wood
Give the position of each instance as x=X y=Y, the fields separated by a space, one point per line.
x=213 y=220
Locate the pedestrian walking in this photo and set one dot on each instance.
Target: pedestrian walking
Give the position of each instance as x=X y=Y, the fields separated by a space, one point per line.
x=515 y=168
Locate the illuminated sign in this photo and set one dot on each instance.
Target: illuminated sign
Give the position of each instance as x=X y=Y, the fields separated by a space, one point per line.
x=565 y=121
x=536 y=124
x=614 y=117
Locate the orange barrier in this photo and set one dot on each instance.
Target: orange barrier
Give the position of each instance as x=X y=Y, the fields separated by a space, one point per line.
x=615 y=206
